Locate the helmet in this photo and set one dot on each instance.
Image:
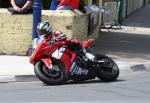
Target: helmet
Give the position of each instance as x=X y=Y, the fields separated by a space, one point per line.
x=44 y=28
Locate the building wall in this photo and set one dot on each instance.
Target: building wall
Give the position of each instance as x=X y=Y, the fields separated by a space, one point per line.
x=146 y=2
x=133 y=5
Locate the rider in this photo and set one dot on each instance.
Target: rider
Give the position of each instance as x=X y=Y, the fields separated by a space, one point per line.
x=44 y=30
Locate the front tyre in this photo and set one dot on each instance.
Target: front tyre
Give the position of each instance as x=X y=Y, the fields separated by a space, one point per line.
x=109 y=70
x=50 y=77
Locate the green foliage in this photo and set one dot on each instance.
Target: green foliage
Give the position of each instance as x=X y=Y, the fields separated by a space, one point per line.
x=46 y=4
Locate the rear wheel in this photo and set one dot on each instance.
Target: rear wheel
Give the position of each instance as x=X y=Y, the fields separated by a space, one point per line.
x=109 y=70
x=54 y=76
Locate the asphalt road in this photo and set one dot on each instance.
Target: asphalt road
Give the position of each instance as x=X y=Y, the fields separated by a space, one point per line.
x=121 y=45
x=130 y=87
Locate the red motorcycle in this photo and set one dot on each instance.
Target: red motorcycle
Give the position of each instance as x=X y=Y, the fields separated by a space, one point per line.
x=55 y=63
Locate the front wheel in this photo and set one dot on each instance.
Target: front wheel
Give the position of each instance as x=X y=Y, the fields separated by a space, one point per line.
x=48 y=76
x=109 y=70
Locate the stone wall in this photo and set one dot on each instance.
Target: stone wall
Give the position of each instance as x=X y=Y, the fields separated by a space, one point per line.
x=73 y=24
x=15 y=33
x=68 y=22
x=16 y=30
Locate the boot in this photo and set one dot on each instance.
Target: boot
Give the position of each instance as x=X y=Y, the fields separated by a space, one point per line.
x=90 y=57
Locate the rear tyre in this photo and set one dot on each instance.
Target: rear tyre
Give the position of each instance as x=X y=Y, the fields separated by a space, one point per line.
x=50 y=77
x=109 y=71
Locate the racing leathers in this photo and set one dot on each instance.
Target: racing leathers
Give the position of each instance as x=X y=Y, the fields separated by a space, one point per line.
x=72 y=44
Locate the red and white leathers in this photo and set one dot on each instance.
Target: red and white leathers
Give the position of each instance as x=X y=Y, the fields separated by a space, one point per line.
x=52 y=37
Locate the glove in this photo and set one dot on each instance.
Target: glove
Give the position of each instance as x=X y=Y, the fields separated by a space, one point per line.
x=61 y=36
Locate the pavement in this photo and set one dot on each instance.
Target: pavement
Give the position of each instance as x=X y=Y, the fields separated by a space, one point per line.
x=16 y=68
x=129 y=47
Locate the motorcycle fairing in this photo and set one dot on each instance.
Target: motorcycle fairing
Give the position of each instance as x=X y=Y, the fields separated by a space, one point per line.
x=87 y=43
x=47 y=62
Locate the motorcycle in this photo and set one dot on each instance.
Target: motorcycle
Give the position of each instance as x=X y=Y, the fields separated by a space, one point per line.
x=55 y=63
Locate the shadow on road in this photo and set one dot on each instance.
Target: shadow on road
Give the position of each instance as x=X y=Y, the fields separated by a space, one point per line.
x=124 y=45
x=91 y=82
x=94 y=81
